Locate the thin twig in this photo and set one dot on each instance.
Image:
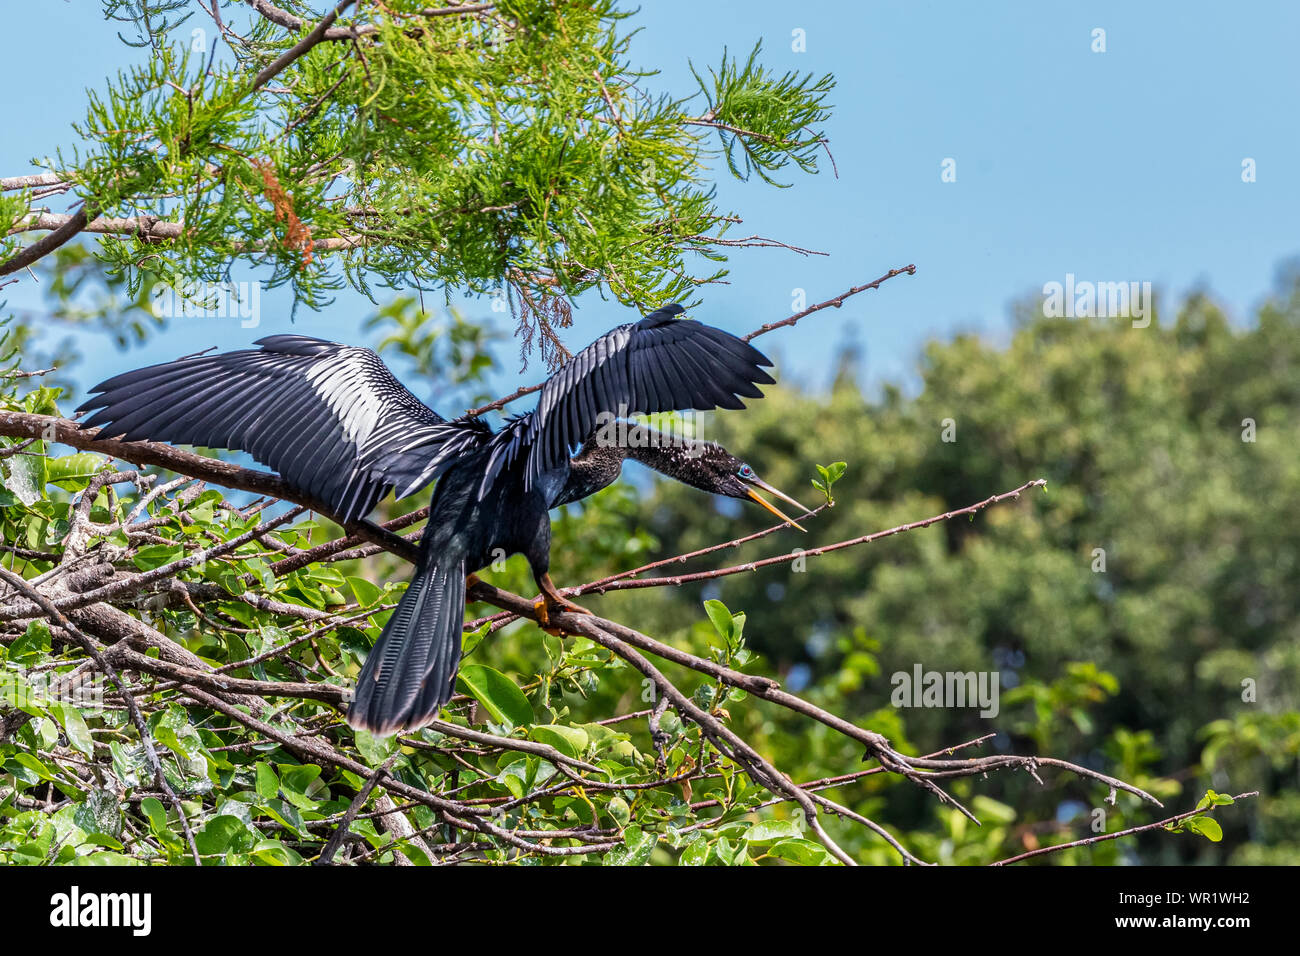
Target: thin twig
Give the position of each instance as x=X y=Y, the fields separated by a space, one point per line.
x=1102 y=837
x=829 y=303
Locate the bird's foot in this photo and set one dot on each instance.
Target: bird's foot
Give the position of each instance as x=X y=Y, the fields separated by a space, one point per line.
x=542 y=608
x=470 y=581
x=551 y=602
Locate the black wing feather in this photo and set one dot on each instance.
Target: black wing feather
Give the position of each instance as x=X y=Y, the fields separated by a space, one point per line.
x=331 y=419
x=659 y=364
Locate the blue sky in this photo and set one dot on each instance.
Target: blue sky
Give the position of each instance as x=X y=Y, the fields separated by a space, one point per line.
x=1116 y=166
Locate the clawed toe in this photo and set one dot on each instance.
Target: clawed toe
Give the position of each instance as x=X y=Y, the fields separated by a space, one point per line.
x=544 y=607
x=543 y=611
x=550 y=602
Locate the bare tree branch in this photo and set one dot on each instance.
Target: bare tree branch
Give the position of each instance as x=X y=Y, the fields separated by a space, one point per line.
x=1102 y=837
x=830 y=303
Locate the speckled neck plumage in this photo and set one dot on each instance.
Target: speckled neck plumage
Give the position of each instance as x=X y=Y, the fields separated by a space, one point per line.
x=599 y=463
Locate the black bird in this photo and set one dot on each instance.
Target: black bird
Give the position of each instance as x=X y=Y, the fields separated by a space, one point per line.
x=336 y=424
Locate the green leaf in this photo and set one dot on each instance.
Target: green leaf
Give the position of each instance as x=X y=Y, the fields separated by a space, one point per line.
x=830 y=475
x=1207 y=827
x=325 y=575
x=287 y=815
x=801 y=851
x=570 y=741
x=366 y=593
x=301 y=785
x=721 y=618
x=636 y=849
x=260 y=570
x=475 y=637
x=107 y=858
x=101 y=839
x=16 y=692
x=607 y=742
x=99 y=813
x=156 y=555
x=268 y=784
x=375 y=750
x=204 y=512
x=75 y=726
x=72 y=467
x=769 y=831
x=218 y=834
x=152 y=808
x=619 y=810
x=35 y=766
x=498 y=694
x=24 y=474
x=32 y=645
x=1212 y=799
x=696 y=853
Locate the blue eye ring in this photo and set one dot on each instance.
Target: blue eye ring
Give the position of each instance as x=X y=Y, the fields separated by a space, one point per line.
x=746 y=472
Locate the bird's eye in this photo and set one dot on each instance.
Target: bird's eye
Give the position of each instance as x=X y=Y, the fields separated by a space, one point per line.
x=746 y=472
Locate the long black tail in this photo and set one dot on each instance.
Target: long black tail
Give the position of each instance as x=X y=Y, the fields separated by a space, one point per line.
x=411 y=670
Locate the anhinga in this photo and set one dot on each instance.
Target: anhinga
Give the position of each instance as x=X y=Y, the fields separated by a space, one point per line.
x=336 y=424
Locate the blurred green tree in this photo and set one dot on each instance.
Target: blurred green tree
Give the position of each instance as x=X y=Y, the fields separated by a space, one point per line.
x=1146 y=610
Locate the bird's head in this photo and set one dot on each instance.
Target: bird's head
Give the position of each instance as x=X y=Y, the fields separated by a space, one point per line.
x=710 y=467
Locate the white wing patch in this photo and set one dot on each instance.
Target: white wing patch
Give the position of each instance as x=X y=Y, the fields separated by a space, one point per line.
x=357 y=409
x=331 y=419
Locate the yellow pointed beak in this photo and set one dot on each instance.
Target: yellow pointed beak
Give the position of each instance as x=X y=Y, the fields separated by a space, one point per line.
x=782 y=495
x=773 y=508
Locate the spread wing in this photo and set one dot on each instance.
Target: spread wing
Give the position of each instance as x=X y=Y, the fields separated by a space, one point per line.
x=330 y=418
x=659 y=364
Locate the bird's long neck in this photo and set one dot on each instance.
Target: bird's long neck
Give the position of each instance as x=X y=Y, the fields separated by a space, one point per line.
x=600 y=461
